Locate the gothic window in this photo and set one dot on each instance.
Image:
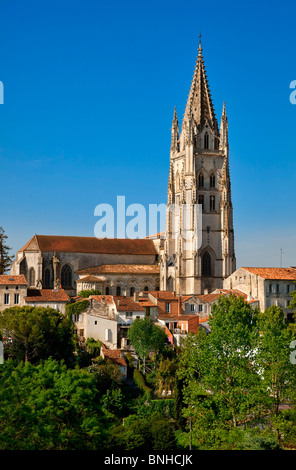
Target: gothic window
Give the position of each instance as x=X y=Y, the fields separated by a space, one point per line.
x=206 y=140
x=206 y=264
x=118 y=290
x=31 y=277
x=107 y=290
x=212 y=203
x=216 y=143
x=146 y=288
x=201 y=200
x=66 y=277
x=132 y=291
x=47 y=278
x=212 y=180
x=200 y=180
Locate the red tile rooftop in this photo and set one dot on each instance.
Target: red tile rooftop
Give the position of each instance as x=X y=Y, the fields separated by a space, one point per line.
x=274 y=273
x=47 y=295
x=8 y=279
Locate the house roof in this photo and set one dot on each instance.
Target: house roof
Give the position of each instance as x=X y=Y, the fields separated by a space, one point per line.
x=47 y=295
x=7 y=279
x=91 y=278
x=72 y=244
x=121 y=269
x=274 y=273
x=108 y=299
x=124 y=304
x=163 y=295
x=115 y=355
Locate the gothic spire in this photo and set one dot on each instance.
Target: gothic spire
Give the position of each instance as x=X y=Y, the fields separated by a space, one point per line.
x=199 y=103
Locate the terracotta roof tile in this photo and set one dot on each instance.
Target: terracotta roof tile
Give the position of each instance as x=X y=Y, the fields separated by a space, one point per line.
x=46 y=295
x=108 y=299
x=274 y=273
x=90 y=278
x=72 y=244
x=7 y=279
x=121 y=269
x=127 y=304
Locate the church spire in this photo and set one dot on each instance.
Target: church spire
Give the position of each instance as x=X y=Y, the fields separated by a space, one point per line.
x=175 y=132
x=199 y=103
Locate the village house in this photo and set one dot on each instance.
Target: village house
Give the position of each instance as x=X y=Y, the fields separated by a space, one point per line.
x=270 y=286
x=13 y=290
x=48 y=298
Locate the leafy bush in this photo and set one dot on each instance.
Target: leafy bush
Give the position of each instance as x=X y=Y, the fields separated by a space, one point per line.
x=140 y=382
x=76 y=308
x=87 y=292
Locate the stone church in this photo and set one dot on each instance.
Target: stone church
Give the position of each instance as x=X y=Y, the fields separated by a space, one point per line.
x=198 y=176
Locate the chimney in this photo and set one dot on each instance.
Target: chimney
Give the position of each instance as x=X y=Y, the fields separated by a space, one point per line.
x=206 y=291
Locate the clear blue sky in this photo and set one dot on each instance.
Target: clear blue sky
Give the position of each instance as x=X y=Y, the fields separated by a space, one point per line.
x=90 y=89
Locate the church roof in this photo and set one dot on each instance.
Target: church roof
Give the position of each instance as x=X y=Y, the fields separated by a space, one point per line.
x=72 y=244
x=121 y=268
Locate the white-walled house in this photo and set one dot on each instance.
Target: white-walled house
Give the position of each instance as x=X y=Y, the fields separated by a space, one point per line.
x=13 y=290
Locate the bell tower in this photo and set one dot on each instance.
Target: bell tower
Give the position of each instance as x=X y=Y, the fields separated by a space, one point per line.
x=199 y=179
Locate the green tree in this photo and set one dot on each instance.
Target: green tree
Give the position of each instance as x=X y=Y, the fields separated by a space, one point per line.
x=49 y=407
x=278 y=373
x=5 y=258
x=88 y=292
x=145 y=336
x=222 y=382
x=36 y=333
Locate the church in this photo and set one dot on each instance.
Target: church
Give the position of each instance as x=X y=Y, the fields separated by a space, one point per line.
x=199 y=176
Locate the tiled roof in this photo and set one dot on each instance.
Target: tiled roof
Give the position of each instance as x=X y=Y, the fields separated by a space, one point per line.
x=208 y=298
x=274 y=273
x=163 y=295
x=46 y=295
x=91 y=279
x=70 y=244
x=127 y=304
x=108 y=299
x=121 y=269
x=7 y=279
x=115 y=355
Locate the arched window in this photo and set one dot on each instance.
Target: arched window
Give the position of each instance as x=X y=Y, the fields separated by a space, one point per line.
x=206 y=140
x=31 y=277
x=212 y=203
x=107 y=290
x=66 y=277
x=201 y=200
x=200 y=180
x=206 y=264
x=146 y=288
x=47 y=278
x=118 y=290
x=216 y=143
x=132 y=291
x=212 y=180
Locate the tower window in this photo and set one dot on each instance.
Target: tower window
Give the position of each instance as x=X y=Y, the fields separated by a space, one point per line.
x=32 y=277
x=206 y=264
x=212 y=203
x=216 y=143
x=200 y=180
x=66 y=277
x=47 y=278
x=201 y=200
x=212 y=180
x=206 y=141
